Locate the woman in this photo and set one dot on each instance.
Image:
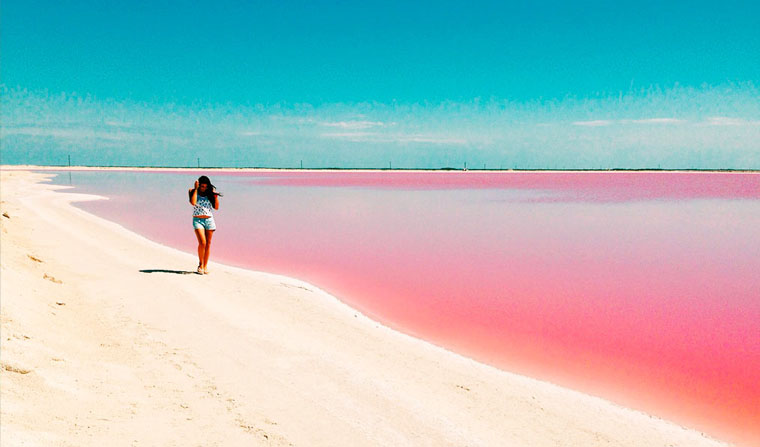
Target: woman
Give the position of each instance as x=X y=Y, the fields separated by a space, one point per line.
x=203 y=197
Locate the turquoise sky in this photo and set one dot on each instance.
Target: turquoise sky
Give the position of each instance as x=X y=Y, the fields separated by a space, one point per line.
x=365 y=84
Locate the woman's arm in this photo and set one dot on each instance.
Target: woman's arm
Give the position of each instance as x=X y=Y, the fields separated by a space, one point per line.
x=193 y=193
x=216 y=200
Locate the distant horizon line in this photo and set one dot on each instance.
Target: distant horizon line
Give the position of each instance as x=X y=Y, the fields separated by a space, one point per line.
x=442 y=169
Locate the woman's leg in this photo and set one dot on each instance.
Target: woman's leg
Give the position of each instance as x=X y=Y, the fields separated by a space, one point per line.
x=200 y=234
x=207 y=250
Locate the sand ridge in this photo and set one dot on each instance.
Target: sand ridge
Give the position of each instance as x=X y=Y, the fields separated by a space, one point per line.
x=109 y=338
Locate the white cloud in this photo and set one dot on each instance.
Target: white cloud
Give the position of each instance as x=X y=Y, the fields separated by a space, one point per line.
x=74 y=134
x=658 y=121
x=375 y=137
x=67 y=133
x=430 y=139
x=354 y=124
x=118 y=124
x=728 y=121
x=600 y=123
x=347 y=135
x=595 y=123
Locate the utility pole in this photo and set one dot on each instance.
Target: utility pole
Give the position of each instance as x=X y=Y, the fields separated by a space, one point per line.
x=199 y=162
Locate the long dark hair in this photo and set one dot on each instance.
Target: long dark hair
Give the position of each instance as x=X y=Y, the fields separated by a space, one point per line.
x=210 y=193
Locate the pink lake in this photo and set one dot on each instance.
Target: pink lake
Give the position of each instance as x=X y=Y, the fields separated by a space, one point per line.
x=643 y=288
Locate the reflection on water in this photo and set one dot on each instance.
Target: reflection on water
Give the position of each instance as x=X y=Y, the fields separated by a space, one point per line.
x=641 y=287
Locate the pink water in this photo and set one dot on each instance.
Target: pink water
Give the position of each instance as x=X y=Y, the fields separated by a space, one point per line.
x=643 y=288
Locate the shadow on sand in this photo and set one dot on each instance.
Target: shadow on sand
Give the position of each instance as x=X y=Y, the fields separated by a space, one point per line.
x=176 y=272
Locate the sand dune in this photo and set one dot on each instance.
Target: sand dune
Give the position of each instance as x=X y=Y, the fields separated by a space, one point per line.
x=109 y=339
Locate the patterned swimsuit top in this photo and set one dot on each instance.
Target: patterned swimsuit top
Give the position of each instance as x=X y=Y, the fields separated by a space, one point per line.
x=202 y=206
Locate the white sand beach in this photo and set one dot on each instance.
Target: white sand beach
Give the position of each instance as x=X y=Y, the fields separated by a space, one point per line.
x=109 y=339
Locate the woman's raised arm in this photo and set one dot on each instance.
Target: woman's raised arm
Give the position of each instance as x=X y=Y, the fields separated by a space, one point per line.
x=193 y=193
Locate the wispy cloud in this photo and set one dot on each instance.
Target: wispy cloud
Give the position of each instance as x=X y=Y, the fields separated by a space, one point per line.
x=431 y=139
x=375 y=137
x=354 y=124
x=594 y=123
x=84 y=135
x=117 y=124
x=356 y=136
x=609 y=122
x=657 y=121
x=68 y=133
x=729 y=121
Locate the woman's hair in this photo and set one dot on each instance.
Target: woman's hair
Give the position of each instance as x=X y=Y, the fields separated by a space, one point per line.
x=210 y=194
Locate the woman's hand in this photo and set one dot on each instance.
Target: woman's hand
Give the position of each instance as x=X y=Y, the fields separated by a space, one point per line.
x=196 y=184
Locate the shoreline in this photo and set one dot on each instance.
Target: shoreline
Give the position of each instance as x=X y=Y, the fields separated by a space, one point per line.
x=336 y=375
x=384 y=170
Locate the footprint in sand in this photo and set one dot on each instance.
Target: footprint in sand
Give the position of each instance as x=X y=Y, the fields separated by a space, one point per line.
x=52 y=279
x=14 y=369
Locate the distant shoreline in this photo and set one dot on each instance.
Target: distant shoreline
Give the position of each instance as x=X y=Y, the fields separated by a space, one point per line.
x=334 y=169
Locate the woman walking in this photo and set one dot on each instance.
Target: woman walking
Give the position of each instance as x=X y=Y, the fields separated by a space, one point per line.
x=203 y=197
